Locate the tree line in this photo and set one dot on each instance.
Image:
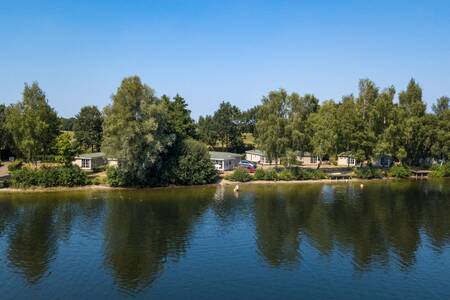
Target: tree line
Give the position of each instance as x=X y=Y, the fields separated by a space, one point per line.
x=367 y=126
x=157 y=141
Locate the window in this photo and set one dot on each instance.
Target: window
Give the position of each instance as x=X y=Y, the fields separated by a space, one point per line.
x=351 y=160
x=85 y=164
x=313 y=159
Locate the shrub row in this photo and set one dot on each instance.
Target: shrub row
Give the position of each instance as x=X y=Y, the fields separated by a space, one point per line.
x=368 y=172
x=49 y=177
x=440 y=170
x=288 y=174
x=400 y=171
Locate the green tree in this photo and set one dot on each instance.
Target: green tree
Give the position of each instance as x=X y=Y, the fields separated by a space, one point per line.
x=88 y=128
x=66 y=148
x=272 y=126
x=324 y=130
x=206 y=131
x=299 y=109
x=411 y=100
x=66 y=124
x=441 y=106
x=33 y=124
x=136 y=131
x=227 y=125
x=194 y=165
x=179 y=116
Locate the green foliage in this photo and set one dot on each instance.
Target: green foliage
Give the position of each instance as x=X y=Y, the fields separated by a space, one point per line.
x=15 y=165
x=67 y=176
x=65 y=148
x=324 y=129
x=271 y=175
x=194 y=165
x=32 y=123
x=223 y=129
x=438 y=171
x=286 y=175
x=368 y=172
x=260 y=174
x=240 y=175
x=400 y=171
x=4 y=184
x=137 y=132
x=116 y=177
x=272 y=126
x=66 y=124
x=87 y=127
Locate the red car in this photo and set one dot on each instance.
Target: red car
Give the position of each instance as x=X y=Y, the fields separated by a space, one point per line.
x=250 y=169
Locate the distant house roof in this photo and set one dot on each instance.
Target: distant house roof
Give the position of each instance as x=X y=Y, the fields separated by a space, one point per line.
x=256 y=152
x=306 y=154
x=223 y=155
x=346 y=154
x=91 y=155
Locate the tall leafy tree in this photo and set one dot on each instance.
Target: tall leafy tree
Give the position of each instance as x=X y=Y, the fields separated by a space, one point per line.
x=272 y=126
x=206 y=131
x=441 y=106
x=227 y=124
x=66 y=148
x=179 y=116
x=299 y=109
x=136 y=131
x=33 y=124
x=323 y=127
x=88 y=128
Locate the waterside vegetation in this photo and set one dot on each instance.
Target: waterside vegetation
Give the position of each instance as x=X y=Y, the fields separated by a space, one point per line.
x=156 y=142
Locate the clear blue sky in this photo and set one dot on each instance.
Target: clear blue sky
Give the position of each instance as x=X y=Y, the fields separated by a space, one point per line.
x=209 y=51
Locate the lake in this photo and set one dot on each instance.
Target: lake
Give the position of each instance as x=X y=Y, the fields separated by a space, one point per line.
x=387 y=240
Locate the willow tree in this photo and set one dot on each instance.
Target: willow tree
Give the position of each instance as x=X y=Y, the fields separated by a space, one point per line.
x=136 y=132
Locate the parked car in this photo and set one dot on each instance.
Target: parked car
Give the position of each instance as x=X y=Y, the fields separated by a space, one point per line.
x=247 y=163
x=250 y=167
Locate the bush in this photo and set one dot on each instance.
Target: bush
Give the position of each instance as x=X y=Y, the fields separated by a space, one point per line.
x=116 y=177
x=240 y=174
x=400 y=171
x=440 y=171
x=260 y=174
x=307 y=174
x=194 y=165
x=15 y=165
x=49 y=177
x=271 y=175
x=368 y=172
x=286 y=175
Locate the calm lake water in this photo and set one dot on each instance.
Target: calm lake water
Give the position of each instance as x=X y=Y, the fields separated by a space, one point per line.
x=388 y=240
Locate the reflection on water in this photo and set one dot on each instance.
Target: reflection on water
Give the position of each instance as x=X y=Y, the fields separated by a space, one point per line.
x=142 y=233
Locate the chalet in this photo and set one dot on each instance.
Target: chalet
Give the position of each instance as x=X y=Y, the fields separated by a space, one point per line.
x=93 y=161
x=259 y=157
x=224 y=161
x=383 y=161
x=308 y=159
x=90 y=161
x=346 y=159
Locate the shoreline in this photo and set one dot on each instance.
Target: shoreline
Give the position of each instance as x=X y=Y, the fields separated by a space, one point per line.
x=221 y=182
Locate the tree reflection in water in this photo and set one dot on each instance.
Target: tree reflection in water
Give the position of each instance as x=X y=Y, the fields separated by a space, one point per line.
x=142 y=232
x=384 y=224
x=381 y=222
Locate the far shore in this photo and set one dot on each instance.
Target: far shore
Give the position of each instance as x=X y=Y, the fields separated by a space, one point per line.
x=221 y=182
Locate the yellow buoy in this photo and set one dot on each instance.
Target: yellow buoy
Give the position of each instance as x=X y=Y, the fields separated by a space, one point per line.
x=236 y=188
x=361 y=185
